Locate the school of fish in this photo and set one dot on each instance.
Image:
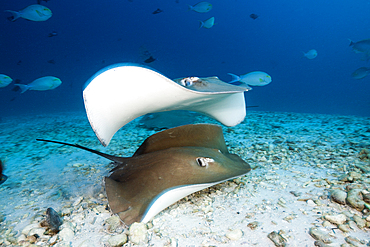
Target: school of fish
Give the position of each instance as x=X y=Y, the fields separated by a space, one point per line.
x=34 y=12
x=361 y=47
x=38 y=13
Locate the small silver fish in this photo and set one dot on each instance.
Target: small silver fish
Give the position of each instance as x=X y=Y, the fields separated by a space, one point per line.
x=33 y=12
x=255 y=78
x=201 y=7
x=362 y=46
x=5 y=80
x=207 y=23
x=311 y=54
x=360 y=73
x=41 y=84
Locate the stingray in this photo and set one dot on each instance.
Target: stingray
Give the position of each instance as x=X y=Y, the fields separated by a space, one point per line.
x=3 y=177
x=122 y=92
x=168 y=166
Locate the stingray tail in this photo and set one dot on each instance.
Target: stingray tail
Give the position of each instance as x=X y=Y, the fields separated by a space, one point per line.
x=107 y=156
x=15 y=14
x=235 y=78
x=23 y=87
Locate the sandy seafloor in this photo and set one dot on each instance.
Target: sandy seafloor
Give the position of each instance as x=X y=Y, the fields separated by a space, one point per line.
x=296 y=159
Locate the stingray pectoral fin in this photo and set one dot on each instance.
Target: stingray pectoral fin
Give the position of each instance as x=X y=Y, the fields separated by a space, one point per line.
x=3 y=178
x=125 y=209
x=191 y=135
x=128 y=216
x=122 y=92
x=116 y=202
x=229 y=109
x=169 y=197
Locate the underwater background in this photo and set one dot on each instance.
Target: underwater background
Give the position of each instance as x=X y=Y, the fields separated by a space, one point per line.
x=305 y=133
x=91 y=35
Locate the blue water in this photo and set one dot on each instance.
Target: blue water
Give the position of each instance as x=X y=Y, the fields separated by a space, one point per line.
x=95 y=34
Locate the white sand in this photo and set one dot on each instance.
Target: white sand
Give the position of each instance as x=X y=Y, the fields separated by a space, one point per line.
x=288 y=151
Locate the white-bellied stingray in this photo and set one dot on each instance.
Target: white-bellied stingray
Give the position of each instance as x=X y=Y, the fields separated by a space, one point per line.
x=168 y=166
x=122 y=92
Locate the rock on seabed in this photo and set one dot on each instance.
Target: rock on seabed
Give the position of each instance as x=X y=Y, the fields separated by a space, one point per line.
x=235 y=234
x=138 y=233
x=117 y=240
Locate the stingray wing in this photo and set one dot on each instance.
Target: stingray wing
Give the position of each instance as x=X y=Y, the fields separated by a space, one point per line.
x=192 y=135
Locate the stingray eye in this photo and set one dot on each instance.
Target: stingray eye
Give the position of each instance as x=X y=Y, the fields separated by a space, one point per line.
x=186 y=82
x=203 y=162
x=189 y=81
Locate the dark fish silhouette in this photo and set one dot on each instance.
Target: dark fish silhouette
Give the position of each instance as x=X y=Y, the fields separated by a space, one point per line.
x=39 y=1
x=150 y=59
x=52 y=61
x=253 y=16
x=146 y=55
x=157 y=11
x=16 y=88
x=52 y=34
x=168 y=166
x=3 y=177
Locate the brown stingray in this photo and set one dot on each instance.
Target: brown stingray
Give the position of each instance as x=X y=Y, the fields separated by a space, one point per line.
x=3 y=177
x=168 y=166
